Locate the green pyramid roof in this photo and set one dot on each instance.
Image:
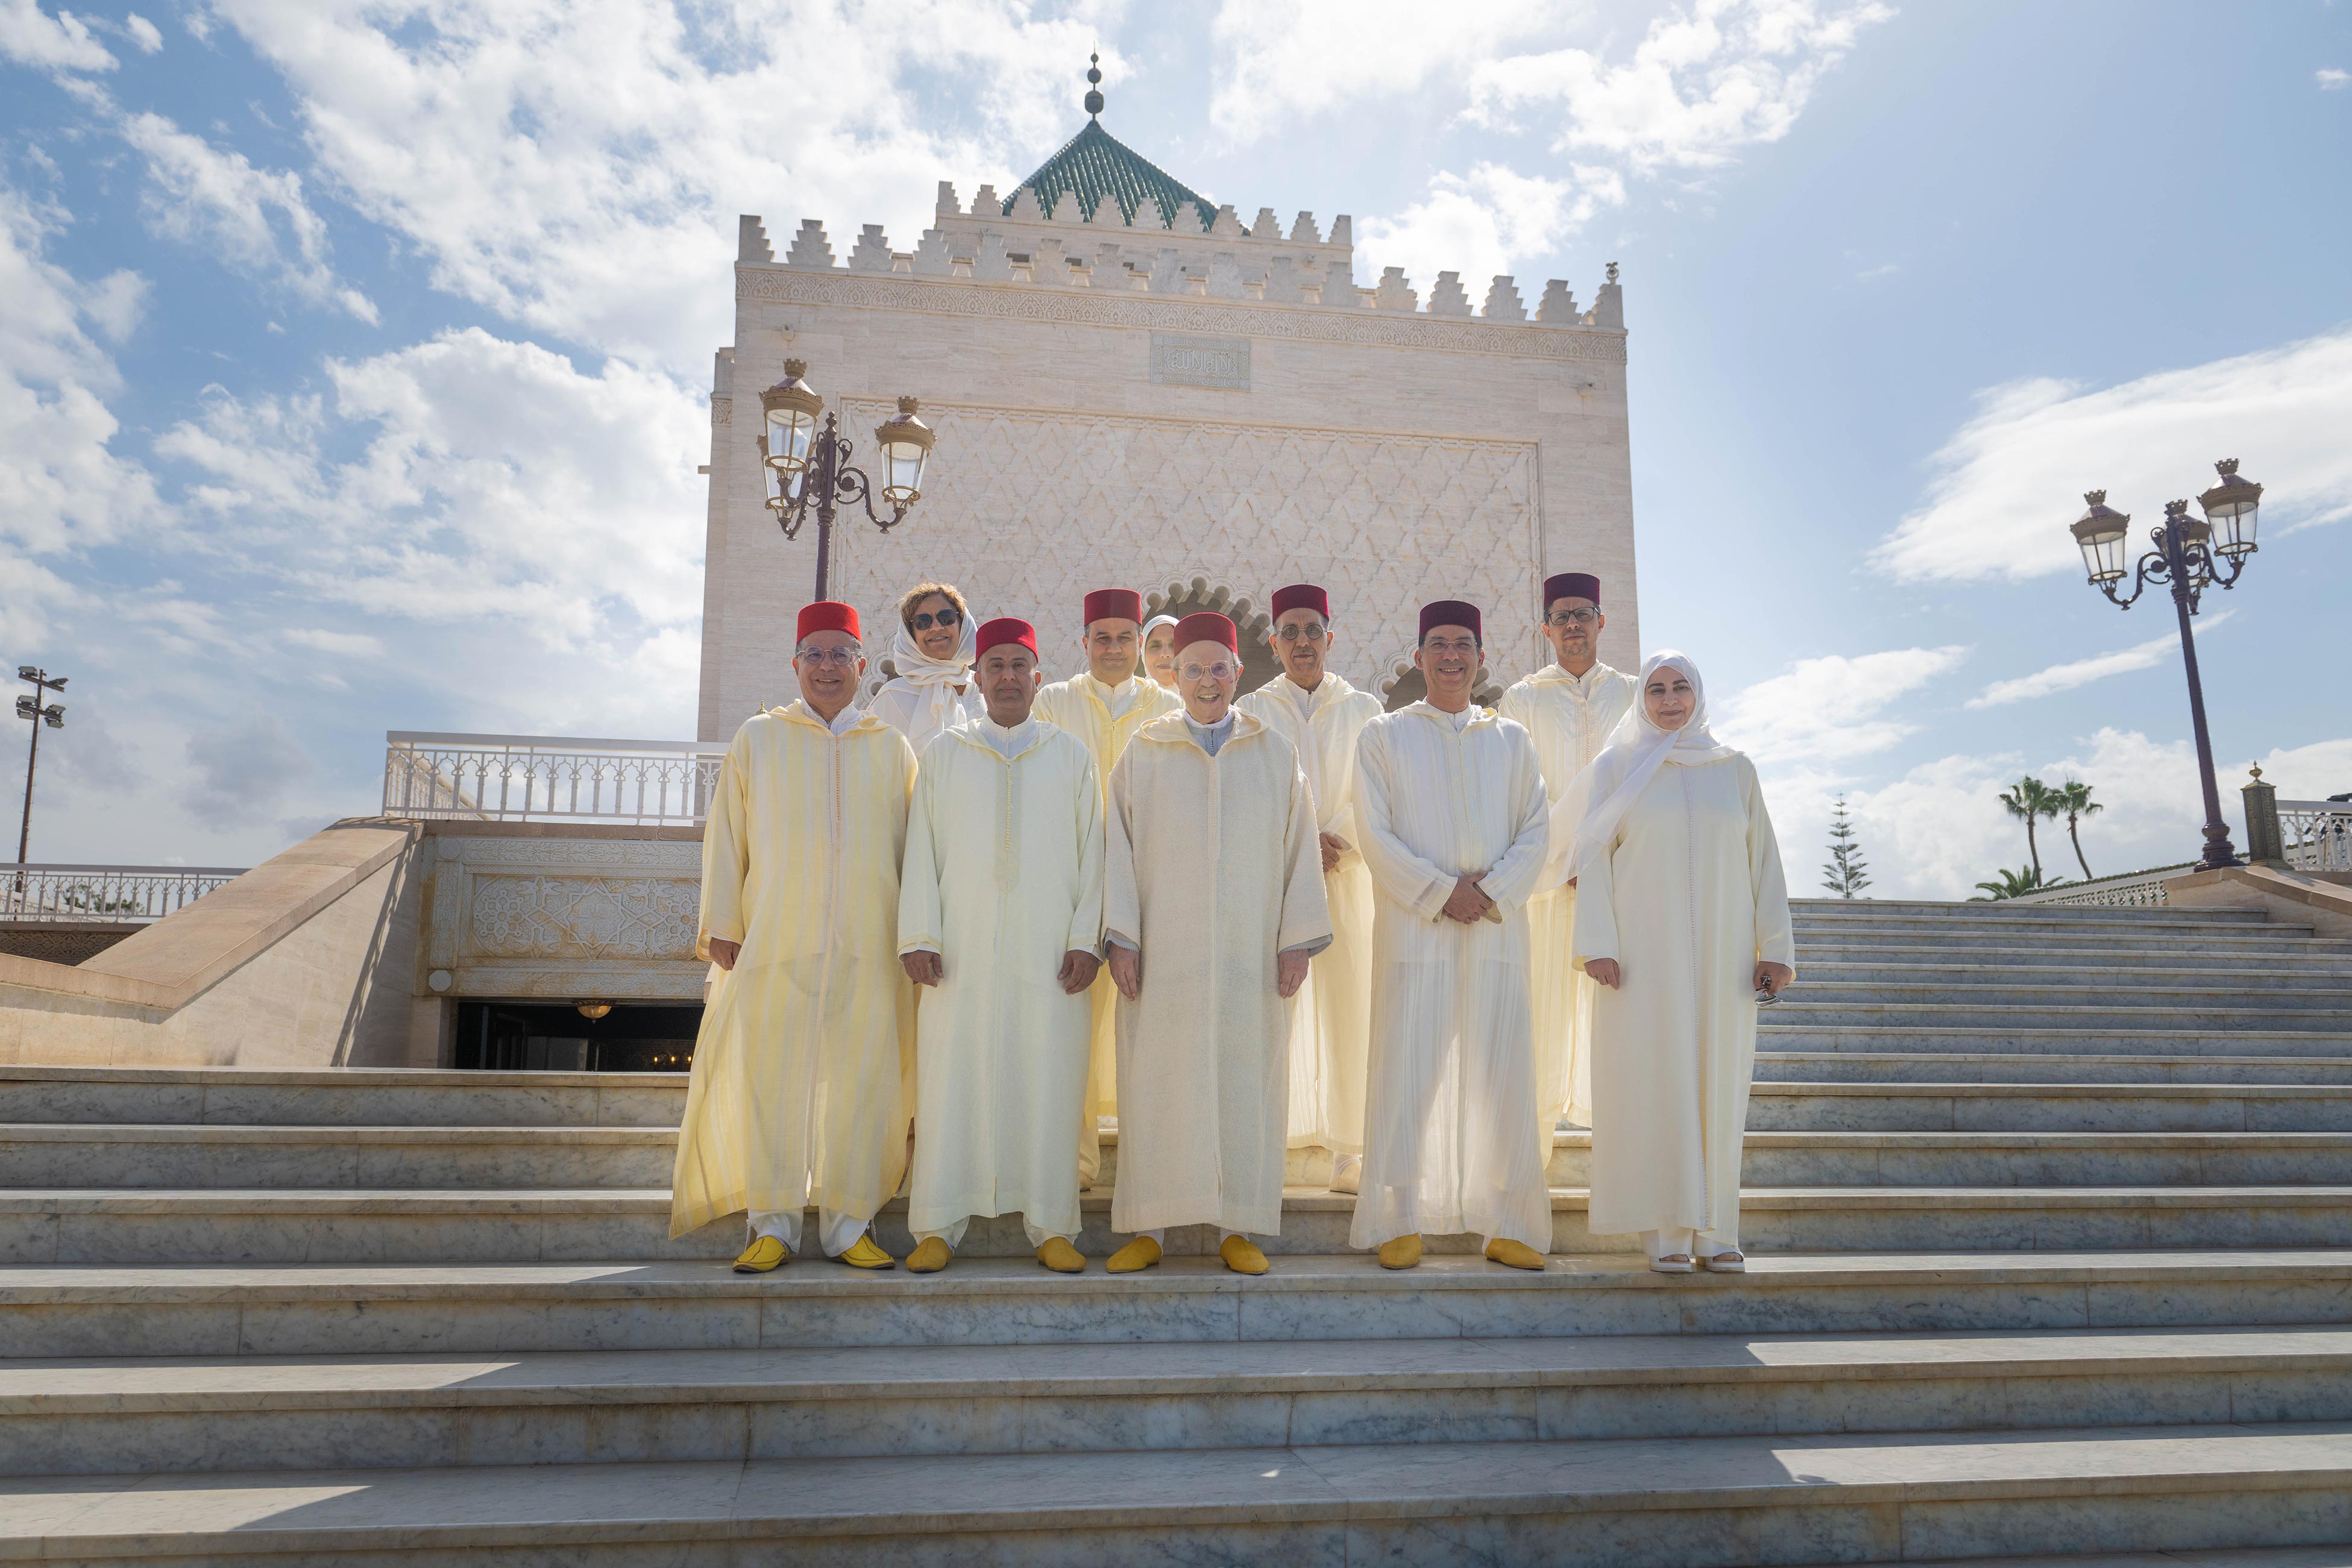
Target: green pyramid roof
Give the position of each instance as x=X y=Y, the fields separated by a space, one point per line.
x=1095 y=164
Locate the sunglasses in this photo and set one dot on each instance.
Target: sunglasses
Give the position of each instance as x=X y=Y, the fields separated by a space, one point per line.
x=926 y=621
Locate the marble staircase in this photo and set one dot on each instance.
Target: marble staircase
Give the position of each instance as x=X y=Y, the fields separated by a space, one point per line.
x=2050 y=1208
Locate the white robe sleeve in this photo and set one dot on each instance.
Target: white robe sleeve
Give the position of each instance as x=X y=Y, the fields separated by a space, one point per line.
x=1122 y=904
x=920 y=917
x=1087 y=918
x=1775 y=941
x=1396 y=870
x=1513 y=880
x=1596 y=908
x=726 y=853
x=1305 y=908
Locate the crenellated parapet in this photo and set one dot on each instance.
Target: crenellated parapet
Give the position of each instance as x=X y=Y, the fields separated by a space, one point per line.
x=1018 y=241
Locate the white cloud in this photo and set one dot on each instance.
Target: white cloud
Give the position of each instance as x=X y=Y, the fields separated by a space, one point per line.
x=1831 y=708
x=144 y=35
x=31 y=37
x=1998 y=505
x=1484 y=223
x=2066 y=677
x=1704 y=83
x=1284 y=59
x=578 y=166
x=343 y=645
x=2330 y=80
x=254 y=220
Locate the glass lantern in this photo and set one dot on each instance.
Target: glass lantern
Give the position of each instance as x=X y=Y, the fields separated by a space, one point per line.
x=904 y=444
x=2102 y=532
x=2230 y=508
x=790 y=408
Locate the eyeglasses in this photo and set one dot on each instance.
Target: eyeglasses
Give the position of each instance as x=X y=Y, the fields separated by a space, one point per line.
x=1313 y=632
x=843 y=658
x=1572 y=618
x=1220 y=670
x=926 y=621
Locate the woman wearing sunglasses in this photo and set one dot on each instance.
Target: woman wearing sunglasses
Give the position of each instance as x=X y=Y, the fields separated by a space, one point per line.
x=933 y=689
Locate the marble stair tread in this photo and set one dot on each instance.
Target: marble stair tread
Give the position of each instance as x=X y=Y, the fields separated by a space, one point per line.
x=2215 y=1557
x=1787 y=1070
x=117 y=1385
x=2052 y=1040
x=549 y=1507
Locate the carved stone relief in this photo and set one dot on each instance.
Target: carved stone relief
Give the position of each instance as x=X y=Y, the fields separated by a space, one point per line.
x=604 y=918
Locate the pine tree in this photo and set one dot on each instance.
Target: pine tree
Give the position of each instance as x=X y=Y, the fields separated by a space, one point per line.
x=1846 y=874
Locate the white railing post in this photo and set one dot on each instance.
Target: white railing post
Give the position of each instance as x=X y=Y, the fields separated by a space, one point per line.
x=551 y=778
x=2316 y=835
x=49 y=894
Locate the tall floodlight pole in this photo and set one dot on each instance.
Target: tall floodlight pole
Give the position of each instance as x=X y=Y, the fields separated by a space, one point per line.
x=2189 y=556
x=54 y=716
x=808 y=466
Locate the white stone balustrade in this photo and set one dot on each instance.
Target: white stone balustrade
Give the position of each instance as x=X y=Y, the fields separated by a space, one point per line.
x=2317 y=834
x=52 y=893
x=543 y=778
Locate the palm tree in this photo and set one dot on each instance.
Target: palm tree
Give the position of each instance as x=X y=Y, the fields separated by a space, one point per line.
x=2030 y=798
x=2024 y=879
x=2075 y=797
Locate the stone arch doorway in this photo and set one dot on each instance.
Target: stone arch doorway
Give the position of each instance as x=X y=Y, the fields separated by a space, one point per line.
x=1402 y=686
x=1181 y=599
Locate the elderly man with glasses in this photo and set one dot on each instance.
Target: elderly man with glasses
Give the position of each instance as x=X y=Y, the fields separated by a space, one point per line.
x=1212 y=907
x=1571 y=707
x=799 y=1093
x=1330 y=1030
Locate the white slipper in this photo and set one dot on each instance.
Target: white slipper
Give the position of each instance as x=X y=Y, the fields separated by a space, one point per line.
x=1670 y=1265
x=1727 y=1263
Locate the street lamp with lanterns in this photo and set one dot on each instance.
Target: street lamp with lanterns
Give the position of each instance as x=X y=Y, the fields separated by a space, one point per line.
x=54 y=716
x=2190 y=557
x=807 y=465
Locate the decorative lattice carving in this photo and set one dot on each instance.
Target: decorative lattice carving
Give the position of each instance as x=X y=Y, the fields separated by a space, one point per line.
x=1040 y=506
x=571 y=917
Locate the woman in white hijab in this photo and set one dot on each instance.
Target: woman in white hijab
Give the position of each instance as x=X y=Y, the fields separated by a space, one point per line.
x=1159 y=650
x=933 y=689
x=1682 y=918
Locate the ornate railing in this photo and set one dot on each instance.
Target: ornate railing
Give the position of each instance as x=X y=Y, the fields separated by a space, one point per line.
x=2316 y=835
x=545 y=778
x=2138 y=888
x=104 y=894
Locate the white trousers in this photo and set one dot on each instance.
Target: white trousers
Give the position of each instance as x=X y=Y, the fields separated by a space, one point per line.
x=837 y=1232
x=954 y=1234
x=1667 y=1243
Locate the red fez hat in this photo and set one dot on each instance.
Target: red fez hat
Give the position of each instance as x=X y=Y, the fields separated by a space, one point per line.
x=1452 y=613
x=1302 y=596
x=1004 y=629
x=1114 y=604
x=829 y=615
x=1207 y=626
x=1571 y=585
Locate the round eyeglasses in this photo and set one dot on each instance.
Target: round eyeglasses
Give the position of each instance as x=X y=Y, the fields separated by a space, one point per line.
x=1220 y=670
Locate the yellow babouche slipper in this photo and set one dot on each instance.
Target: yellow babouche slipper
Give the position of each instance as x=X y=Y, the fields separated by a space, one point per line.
x=1135 y=1257
x=1401 y=1252
x=930 y=1255
x=867 y=1254
x=1517 y=1254
x=1241 y=1255
x=1057 y=1254
x=764 y=1253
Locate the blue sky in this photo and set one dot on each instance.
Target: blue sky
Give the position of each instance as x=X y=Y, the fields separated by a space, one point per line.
x=352 y=356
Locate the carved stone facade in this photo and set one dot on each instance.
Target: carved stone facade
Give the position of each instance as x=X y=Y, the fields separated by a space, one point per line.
x=604 y=918
x=1159 y=409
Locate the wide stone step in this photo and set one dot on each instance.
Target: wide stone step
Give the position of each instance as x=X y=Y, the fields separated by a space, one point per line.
x=2328 y=1006
x=1991 y=909
x=2056 y=1107
x=2281 y=943
x=341 y=1096
x=605 y=1305
x=2231 y=968
x=2032 y=917
x=1892 y=1067
x=253 y=1413
x=195 y=1155
x=1640 y=1502
x=1802 y=1009
x=1965 y=976
x=1777 y=1032
x=69 y=1226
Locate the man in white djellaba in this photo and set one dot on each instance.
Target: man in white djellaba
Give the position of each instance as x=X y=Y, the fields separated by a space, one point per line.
x=1330 y=1030
x=1213 y=904
x=1452 y=819
x=1000 y=912
x=933 y=689
x=1571 y=707
x=1682 y=918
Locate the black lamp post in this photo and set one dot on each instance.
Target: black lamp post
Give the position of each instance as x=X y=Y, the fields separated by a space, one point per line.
x=2189 y=556
x=806 y=464
x=54 y=716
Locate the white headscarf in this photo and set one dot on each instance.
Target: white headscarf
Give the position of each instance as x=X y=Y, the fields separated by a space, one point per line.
x=1589 y=811
x=936 y=679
